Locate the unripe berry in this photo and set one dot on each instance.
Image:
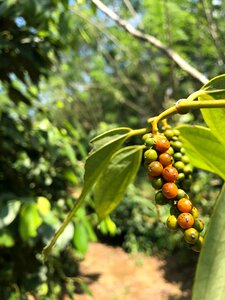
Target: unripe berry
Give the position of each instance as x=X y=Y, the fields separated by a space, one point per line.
x=186 y=184
x=194 y=212
x=146 y=135
x=171 y=222
x=170 y=190
x=184 y=205
x=155 y=169
x=170 y=174
x=162 y=144
x=185 y=159
x=177 y=145
x=160 y=199
x=181 y=177
x=169 y=133
x=198 y=245
x=157 y=183
x=176 y=132
x=170 y=151
x=179 y=165
x=150 y=155
x=149 y=142
x=181 y=194
x=188 y=169
x=165 y=159
x=177 y=156
x=185 y=220
x=191 y=235
x=198 y=225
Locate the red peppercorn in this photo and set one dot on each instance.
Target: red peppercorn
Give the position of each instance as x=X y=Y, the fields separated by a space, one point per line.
x=162 y=144
x=170 y=174
x=185 y=220
x=170 y=190
x=184 y=205
x=165 y=159
x=155 y=169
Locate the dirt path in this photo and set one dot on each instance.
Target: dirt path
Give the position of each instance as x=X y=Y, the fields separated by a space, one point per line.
x=113 y=274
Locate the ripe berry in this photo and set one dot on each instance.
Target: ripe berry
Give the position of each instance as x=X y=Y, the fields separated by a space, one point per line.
x=150 y=155
x=162 y=144
x=170 y=174
x=157 y=183
x=184 y=205
x=170 y=190
x=165 y=159
x=185 y=220
x=155 y=169
x=160 y=199
x=171 y=222
x=191 y=235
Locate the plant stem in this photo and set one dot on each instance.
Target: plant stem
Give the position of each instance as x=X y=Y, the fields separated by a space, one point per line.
x=183 y=106
x=66 y=221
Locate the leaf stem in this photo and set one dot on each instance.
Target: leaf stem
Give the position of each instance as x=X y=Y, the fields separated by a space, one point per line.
x=137 y=132
x=66 y=221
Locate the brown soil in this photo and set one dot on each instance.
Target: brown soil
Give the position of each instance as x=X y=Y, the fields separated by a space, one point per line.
x=112 y=274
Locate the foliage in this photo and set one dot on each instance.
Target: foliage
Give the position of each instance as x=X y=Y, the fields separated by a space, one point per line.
x=96 y=73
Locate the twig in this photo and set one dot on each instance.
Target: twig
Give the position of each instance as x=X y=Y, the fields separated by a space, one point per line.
x=153 y=41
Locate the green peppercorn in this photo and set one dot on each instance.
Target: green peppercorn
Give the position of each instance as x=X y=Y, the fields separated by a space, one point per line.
x=149 y=142
x=198 y=225
x=171 y=222
x=188 y=169
x=191 y=235
x=181 y=194
x=179 y=165
x=177 y=145
x=157 y=183
x=160 y=199
x=198 y=245
x=185 y=159
x=150 y=155
x=169 y=133
x=177 y=156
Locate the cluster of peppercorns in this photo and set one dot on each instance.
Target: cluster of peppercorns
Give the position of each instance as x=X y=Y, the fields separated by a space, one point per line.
x=170 y=173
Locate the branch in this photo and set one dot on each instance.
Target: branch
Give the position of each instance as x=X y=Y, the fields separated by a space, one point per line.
x=153 y=41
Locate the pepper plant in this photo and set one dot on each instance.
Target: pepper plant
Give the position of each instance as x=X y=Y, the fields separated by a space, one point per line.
x=112 y=165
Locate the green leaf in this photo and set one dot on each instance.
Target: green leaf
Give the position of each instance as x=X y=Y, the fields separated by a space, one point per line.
x=114 y=181
x=215 y=117
x=29 y=221
x=65 y=237
x=8 y=212
x=204 y=150
x=210 y=277
x=80 y=239
x=6 y=239
x=104 y=146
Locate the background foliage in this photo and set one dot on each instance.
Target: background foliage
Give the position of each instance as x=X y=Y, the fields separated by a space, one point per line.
x=68 y=73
